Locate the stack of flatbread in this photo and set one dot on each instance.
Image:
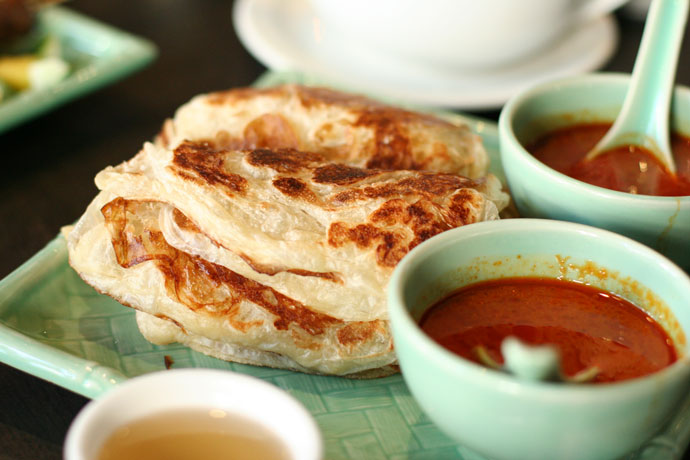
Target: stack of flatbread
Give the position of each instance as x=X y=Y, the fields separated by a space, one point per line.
x=262 y=226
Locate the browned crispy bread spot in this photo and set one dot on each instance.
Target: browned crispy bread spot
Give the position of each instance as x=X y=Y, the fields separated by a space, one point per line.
x=283 y=160
x=295 y=188
x=424 y=184
x=423 y=217
x=176 y=323
x=360 y=332
x=271 y=131
x=341 y=174
x=329 y=276
x=202 y=163
x=390 y=246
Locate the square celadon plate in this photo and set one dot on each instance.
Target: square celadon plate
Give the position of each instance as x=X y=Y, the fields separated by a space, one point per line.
x=56 y=327
x=98 y=54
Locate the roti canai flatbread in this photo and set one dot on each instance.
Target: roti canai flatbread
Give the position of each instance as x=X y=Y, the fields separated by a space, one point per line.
x=271 y=257
x=342 y=127
x=226 y=238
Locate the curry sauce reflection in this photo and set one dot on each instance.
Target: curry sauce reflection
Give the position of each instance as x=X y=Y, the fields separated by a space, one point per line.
x=589 y=327
x=629 y=169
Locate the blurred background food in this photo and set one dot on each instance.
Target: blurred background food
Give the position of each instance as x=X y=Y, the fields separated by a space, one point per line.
x=30 y=58
x=16 y=18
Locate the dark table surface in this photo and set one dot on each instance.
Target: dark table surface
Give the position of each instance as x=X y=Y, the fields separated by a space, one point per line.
x=49 y=163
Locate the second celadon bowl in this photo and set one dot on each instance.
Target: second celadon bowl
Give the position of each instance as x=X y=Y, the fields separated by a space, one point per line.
x=501 y=416
x=662 y=223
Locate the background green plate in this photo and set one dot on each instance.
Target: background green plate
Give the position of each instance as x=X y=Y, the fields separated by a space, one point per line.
x=97 y=53
x=56 y=327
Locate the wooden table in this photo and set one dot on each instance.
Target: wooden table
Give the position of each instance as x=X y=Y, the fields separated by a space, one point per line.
x=48 y=164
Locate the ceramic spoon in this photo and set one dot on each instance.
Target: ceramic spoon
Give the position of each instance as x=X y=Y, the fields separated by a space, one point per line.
x=530 y=362
x=644 y=119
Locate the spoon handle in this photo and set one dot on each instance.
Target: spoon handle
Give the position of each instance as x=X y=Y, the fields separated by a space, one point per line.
x=644 y=117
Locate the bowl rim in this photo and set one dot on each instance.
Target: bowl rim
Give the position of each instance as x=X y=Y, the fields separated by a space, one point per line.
x=507 y=135
x=536 y=390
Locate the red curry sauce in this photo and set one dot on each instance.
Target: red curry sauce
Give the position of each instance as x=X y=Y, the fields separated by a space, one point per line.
x=626 y=169
x=590 y=327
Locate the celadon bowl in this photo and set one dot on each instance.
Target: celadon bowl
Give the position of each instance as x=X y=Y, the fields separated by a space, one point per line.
x=501 y=416
x=662 y=223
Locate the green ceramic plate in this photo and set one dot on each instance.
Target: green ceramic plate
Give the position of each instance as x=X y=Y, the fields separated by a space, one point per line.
x=54 y=326
x=98 y=54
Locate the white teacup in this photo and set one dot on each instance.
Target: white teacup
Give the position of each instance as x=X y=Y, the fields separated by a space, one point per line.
x=225 y=393
x=468 y=34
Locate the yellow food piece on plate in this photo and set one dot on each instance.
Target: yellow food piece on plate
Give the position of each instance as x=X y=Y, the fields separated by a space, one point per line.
x=14 y=70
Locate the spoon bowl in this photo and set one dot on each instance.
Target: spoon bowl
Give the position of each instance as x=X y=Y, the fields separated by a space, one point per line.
x=533 y=362
x=644 y=118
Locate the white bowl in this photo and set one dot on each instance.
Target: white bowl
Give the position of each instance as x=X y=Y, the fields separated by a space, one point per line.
x=194 y=389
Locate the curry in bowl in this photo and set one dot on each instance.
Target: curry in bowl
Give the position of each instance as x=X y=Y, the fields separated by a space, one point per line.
x=596 y=333
x=628 y=168
x=598 y=295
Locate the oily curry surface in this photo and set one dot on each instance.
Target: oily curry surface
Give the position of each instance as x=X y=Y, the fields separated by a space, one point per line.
x=589 y=327
x=628 y=169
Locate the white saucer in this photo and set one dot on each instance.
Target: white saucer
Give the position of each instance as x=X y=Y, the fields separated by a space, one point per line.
x=285 y=35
